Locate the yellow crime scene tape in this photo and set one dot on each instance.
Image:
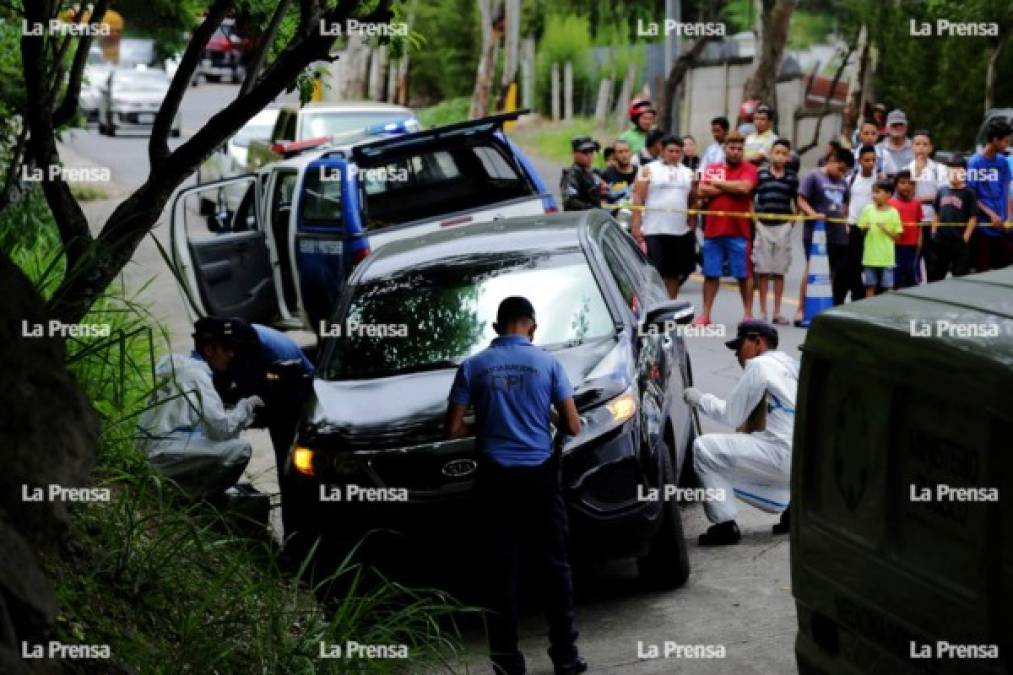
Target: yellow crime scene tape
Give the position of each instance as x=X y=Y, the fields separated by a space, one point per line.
x=780 y=217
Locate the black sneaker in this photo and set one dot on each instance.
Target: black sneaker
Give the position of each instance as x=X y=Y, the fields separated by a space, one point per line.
x=784 y=526
x=721 y=534
x=571 y=666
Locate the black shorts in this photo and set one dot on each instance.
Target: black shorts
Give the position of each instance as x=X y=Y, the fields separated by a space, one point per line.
x=673 y=255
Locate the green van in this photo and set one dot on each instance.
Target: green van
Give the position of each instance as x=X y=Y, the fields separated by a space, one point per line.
x=902 y=483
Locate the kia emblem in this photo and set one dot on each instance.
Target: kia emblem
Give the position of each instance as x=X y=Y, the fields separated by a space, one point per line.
x=459 y=468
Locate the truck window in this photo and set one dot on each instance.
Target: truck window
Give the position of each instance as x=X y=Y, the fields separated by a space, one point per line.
x=321 y=203
x=427 y=182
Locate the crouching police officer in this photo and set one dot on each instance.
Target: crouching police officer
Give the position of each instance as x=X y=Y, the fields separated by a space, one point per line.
x=513 y=387
x=268 y=364
x=581 y=187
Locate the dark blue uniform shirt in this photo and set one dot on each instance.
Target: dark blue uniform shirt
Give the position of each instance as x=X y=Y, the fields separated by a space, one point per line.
x=511 y=384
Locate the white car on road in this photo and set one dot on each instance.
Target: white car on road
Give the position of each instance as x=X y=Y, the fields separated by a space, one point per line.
x=131 y=100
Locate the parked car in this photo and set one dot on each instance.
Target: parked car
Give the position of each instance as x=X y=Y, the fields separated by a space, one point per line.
x=93 y=84
x=318 y=120
x=901 y=554
x=230 y=158
x=416 y=307
x=136 y=52
x=281 y=252
x=131 y=100
x=224 y=55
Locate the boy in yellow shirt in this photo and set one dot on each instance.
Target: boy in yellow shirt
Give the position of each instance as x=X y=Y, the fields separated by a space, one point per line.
x=883 y=227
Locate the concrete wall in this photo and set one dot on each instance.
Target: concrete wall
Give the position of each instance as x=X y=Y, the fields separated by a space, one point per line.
x=712 y=90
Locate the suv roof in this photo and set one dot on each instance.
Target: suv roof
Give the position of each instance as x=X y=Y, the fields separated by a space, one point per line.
x=542 y=234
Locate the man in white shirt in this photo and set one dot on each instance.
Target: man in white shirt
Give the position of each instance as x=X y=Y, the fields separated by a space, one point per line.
x=715 y=152
x=665 y=189
x=188 y=435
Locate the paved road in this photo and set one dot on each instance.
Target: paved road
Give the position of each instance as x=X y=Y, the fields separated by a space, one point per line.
x=737 y=597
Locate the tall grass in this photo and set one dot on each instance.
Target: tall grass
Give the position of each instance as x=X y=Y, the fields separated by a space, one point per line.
x=173 y=586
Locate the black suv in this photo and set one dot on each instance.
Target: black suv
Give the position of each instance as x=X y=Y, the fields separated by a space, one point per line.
x=371 y=450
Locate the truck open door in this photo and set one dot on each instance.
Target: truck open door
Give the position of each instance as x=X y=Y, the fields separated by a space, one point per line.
x=219 y=250
x=328 y=239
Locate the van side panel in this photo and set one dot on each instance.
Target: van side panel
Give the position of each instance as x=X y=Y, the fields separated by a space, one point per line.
x=884 y=561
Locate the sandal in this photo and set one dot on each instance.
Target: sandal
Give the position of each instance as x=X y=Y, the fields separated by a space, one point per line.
x=780 y=320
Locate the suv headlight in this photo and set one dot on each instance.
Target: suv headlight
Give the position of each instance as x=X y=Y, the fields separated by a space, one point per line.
x=605 y=417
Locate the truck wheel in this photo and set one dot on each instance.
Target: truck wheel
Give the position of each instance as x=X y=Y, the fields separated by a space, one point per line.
x=666 y=565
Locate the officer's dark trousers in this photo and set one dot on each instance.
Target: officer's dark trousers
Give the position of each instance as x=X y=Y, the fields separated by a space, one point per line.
x=523 y=513
x=283 y=416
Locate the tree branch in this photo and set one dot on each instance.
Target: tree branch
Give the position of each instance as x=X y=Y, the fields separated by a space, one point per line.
x=68 y=108
x=158 y=144
x=134 y=217
x=257 y=63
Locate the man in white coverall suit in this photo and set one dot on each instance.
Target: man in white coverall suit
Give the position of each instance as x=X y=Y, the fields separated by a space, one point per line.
x=756 y=466
x=188 y=435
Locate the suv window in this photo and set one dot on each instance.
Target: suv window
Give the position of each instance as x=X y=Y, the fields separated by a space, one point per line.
x=625 y=280
x=426 y=182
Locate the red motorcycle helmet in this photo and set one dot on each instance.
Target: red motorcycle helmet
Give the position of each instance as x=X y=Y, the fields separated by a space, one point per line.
x=747 y=109
x=639 y=106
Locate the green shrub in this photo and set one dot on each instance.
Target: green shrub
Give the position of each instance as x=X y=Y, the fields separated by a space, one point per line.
x=446 y=112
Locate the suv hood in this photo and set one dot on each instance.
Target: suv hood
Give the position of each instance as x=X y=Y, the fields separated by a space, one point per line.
x=406 y=410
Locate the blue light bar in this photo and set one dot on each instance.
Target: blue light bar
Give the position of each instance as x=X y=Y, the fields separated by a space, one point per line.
x=408 y=126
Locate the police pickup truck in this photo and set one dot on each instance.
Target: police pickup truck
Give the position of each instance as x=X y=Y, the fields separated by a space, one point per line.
x=280 y=253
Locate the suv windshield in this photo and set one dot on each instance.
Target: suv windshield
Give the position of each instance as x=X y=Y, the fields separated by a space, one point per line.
x=434 y=316
x=432 y=181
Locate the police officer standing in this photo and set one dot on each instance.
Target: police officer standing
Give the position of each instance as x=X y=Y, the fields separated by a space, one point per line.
x=269 y=364
x=518 y=391
x=581 y=186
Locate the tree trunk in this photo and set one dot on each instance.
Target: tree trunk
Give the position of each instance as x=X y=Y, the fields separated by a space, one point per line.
x=774 y=21
x=990 y=74
x=48 y=437
x=676 y=76
x=511 y=47
x=858 y=96
x=486 y=62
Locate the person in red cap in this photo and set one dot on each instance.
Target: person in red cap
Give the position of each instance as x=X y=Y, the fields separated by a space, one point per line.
x=642 y=114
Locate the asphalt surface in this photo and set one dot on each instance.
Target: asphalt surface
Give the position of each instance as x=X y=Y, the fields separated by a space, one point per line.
x=737 y=597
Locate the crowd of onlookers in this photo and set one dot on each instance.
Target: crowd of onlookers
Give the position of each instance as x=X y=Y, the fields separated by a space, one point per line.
x=893 y=217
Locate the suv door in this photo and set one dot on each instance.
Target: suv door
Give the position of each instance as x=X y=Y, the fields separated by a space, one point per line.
x=662 y=358
x=219 y=250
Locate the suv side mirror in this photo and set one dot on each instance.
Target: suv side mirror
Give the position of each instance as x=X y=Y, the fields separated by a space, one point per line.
x=667 y=314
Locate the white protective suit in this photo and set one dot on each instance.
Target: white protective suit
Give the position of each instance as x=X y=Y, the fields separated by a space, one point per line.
x=188 y=435
x=755 y=467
